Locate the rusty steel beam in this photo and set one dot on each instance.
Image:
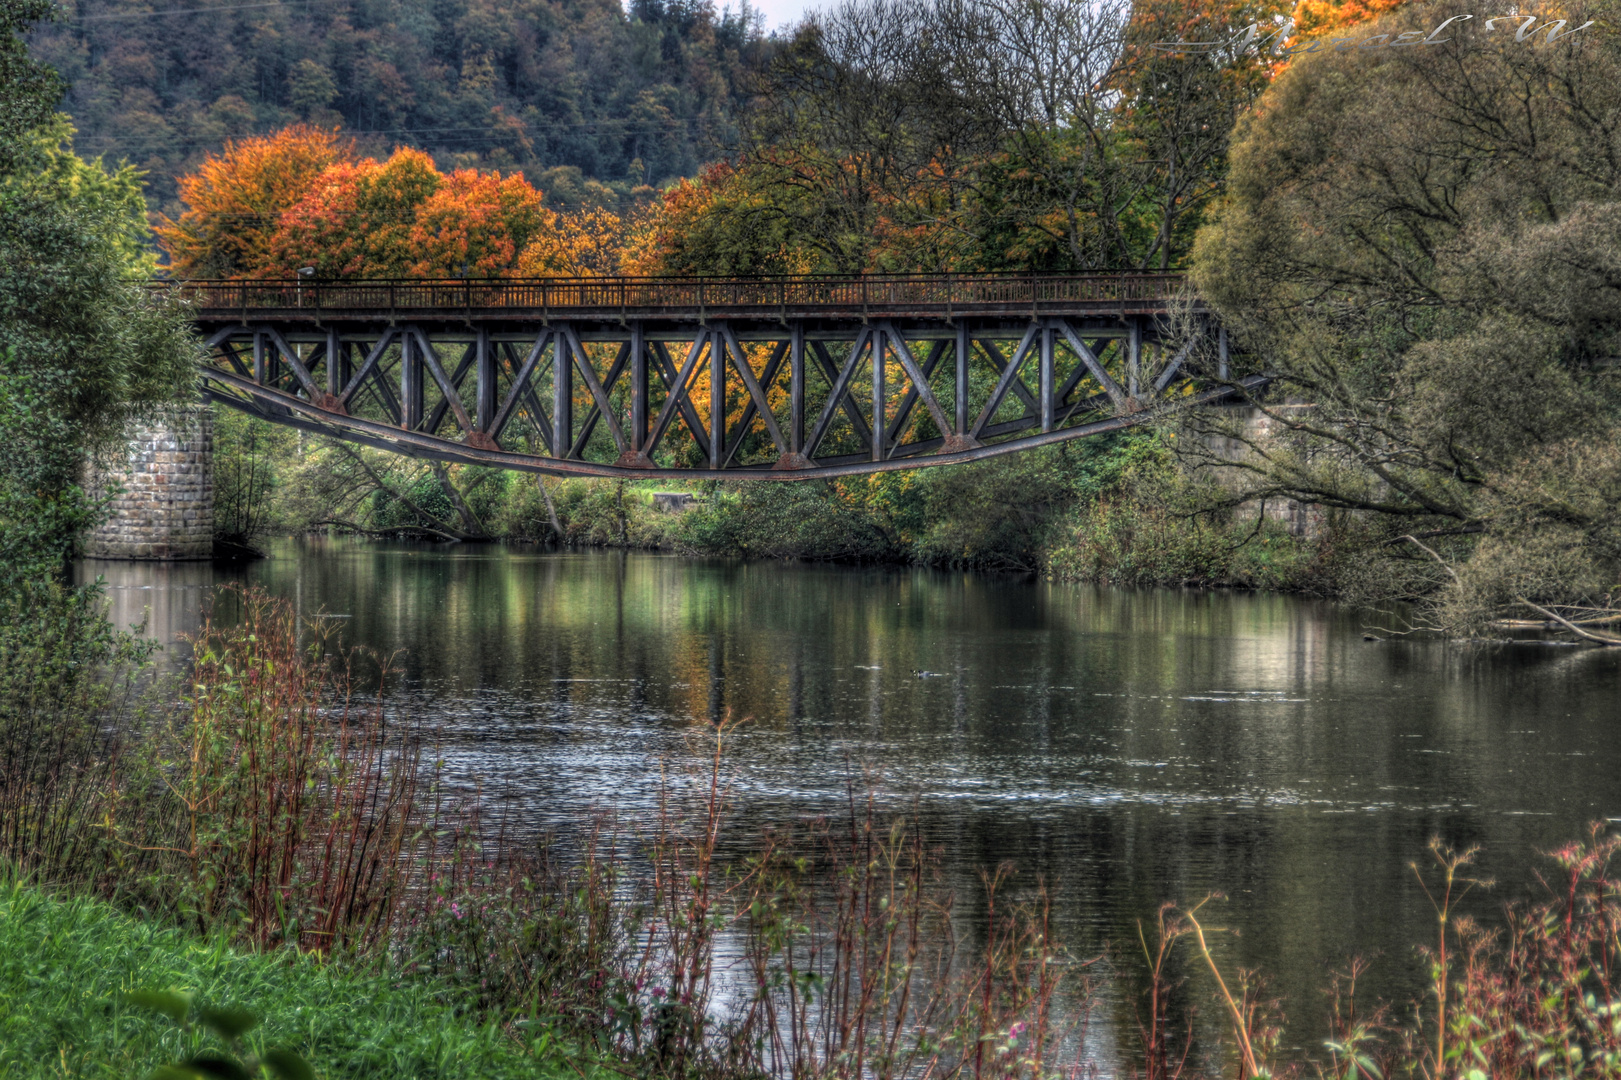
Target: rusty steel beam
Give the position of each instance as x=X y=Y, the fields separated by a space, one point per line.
x=301 y=414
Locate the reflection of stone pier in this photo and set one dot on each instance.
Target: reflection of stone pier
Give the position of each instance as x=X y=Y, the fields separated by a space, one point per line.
x=166 y=508
x=168 y=598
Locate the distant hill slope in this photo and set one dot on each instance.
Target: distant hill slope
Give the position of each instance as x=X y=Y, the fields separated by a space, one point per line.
x=590 y=101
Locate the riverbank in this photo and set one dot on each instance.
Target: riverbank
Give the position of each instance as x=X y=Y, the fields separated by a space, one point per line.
x=1116 y=510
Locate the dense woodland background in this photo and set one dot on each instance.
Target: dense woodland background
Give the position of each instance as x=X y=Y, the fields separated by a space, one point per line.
x=594 y=103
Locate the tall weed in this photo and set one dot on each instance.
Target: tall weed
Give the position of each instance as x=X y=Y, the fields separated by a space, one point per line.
x=291 y=810
x=68 y=694
x=266 y=802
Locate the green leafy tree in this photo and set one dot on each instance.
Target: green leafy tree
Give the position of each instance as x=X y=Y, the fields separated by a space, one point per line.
x=83 y=346
x=972 y=135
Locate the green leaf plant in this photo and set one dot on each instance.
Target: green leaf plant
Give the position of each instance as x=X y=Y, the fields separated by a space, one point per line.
x=229 y=1024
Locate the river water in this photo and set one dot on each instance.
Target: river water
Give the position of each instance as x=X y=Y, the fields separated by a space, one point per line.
x=1129 y=747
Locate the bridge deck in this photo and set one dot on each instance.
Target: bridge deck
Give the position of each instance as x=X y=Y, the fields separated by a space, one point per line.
x=696 y=299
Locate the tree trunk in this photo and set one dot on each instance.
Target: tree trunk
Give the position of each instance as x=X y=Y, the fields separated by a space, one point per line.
x=472 y=527
x=551 y=510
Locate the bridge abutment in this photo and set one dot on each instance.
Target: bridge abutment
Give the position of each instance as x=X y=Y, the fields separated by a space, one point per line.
x=165 y=510
x=1255 y=428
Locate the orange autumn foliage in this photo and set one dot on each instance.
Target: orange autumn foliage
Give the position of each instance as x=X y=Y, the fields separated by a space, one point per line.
x=235 y=200
x=586 y=243
x=356 y=219
x=477 y=225
x=1314 y=17
x=316 y=205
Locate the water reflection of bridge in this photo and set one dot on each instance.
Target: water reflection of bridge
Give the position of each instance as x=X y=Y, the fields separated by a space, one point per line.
x=786 y=378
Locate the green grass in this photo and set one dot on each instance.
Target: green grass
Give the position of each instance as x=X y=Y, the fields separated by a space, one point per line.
x=65 y=964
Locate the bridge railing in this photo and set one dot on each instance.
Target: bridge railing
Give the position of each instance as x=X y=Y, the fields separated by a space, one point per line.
x=808 y=294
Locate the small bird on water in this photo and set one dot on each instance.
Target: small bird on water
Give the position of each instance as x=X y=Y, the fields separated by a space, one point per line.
x=928 y=674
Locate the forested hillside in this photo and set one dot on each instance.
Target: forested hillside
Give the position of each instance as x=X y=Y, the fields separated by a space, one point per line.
x=590 y=101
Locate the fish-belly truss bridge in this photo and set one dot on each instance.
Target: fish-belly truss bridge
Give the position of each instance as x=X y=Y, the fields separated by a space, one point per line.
x=786 y=378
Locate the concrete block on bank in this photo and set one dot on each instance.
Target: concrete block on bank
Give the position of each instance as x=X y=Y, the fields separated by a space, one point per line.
x=673 y=501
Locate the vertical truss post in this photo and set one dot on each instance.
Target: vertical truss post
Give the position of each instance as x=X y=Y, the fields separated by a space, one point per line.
x=717 y=398
x=488 y=396
x=346 y=366
x=337 y=374
x=1046 y=389
x=796 y=389
x=260 y=376
x=562 y=396
x=880 y=424
x=411 y=395
x=1221 y=350
x=1134 y=358
x=636 y=354
x=334 y=374
x=793 y=457
x=961 y=389
x=638 y=389
x=958 y=439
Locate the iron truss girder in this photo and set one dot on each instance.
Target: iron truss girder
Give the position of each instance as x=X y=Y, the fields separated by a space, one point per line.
x=792 y=398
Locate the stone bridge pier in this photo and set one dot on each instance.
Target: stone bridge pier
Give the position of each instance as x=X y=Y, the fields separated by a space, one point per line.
x=165 y=511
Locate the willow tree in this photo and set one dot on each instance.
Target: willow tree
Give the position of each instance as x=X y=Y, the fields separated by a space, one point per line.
x=1420 y=245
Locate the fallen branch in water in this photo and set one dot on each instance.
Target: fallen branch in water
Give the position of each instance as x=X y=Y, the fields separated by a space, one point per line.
x=1549 y=624
x=1602 y=639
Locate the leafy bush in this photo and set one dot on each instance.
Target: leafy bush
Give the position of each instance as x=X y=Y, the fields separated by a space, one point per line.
x=590 y=512
x=769 y=519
